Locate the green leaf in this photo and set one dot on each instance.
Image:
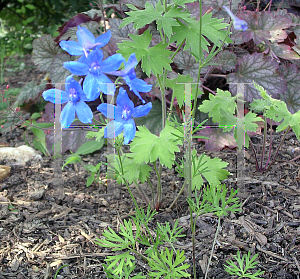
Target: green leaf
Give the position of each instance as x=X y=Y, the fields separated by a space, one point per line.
x=30 y=6
x=71 y=160
x=98 y=136
x=248 y=121
x=218 y=203
x=212 y=28
x=154 y=59
x=89 y=147
x=118 y=261
x=214 y=171
x=177 y=84
x=148 y=147
x=219 y=104
x=90 y=180
x=132 y=171
x=140 y=17
x=40 y=141
x=163 y=265
x=262 y=70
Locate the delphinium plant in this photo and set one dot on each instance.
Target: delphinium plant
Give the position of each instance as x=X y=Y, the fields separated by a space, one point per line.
x=160 y=35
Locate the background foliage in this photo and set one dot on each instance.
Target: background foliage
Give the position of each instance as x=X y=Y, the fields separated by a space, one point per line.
x=21 y=21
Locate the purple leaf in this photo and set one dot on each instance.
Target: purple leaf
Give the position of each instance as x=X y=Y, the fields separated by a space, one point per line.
x=265 y=26
x=291 y=97
x=262 y=70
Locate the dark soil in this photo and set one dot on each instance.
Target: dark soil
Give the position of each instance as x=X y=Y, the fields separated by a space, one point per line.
x=40 y=232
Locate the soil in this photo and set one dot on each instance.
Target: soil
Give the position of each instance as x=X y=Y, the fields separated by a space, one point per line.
x=40 y=232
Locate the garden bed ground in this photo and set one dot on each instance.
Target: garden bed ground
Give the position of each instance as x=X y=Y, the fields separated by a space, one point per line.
x=40 y=232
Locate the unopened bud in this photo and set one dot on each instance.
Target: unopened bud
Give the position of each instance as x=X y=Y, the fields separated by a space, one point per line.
x=7 y=86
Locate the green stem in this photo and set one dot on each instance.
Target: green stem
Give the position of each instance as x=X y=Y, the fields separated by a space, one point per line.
x=213 y=247
x=122 y=171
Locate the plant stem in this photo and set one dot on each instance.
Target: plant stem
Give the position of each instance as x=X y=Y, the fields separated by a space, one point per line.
x=287 y=129
x=264 y=143
x=142 y=193
x=253 y=149
x=122 y=171
x=177 y=197
x=149 y=182
x=213 y=247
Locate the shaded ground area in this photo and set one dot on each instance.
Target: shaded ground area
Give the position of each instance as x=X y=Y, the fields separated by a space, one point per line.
x=39 y=232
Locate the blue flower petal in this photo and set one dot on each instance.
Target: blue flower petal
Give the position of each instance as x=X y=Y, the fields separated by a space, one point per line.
x=140 y=85
x=104 y=107
x=123 y=100
x=112 y=63
x=103 y=39
x=67 y=115
x=49 y=95
x=95 y=56
x=77 y=68
x=85 y=37
x=142 y=110
x=129 y=131
x=72 y=47
x=105 y=85
x=113 y=129
x=72 y=83
x=84 y=112
x=90 y=87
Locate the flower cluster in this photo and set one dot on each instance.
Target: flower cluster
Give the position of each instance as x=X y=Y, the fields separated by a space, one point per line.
x=95 y=69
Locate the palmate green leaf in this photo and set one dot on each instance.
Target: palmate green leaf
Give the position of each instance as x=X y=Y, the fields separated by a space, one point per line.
x=219 y=104
x=211 y=169
x=148 y=147
x=140 y=17
x=262 y=70
x=165 y=20
x=154 y=59
x=132 y=171
x=212 y=29
x=178 y=87
x=249 y=121
x=166 y=267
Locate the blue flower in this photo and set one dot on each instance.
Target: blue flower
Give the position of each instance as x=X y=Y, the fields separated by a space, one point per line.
x=135 y=84
x=123 y=113
x=86 y=42
x=94 y=68
x=238 y=24
x=75 y=97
